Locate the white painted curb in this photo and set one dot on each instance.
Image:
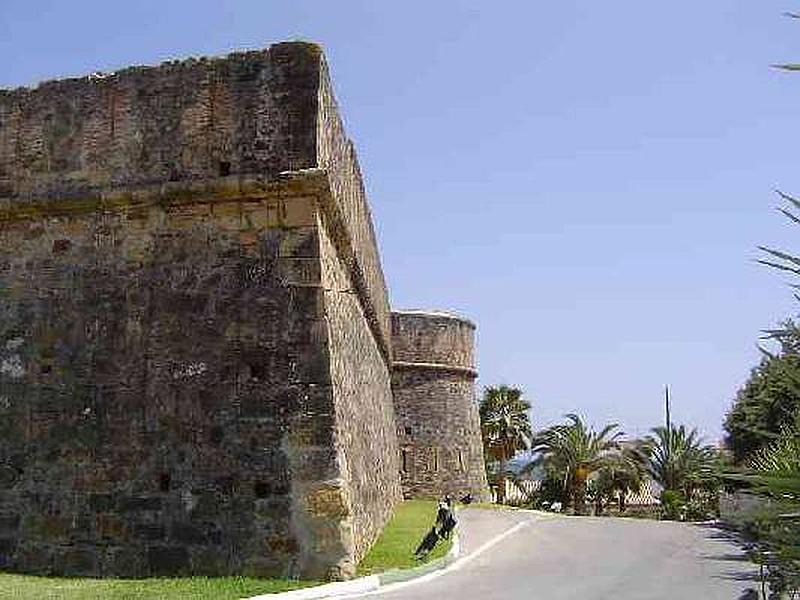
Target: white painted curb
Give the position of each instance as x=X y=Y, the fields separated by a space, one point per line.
x=393 y=580
x=458 y=564
x=361 y=585
x=364 y=585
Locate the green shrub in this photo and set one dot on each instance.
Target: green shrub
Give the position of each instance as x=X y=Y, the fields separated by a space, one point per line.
x=673 y=505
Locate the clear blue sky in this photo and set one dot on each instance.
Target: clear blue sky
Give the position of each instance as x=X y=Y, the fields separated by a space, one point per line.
x=587 y=180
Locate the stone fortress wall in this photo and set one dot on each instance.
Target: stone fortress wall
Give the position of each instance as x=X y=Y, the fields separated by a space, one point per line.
x=438 y=427
x=195 y=347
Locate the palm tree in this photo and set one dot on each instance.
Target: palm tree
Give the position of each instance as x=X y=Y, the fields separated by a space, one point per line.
x=576 y=451
x=678 y=460
x=505 y=427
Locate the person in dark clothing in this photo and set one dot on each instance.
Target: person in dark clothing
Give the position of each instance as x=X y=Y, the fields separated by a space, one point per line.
x=447 y=526
x=445 y=518
x=441 y=513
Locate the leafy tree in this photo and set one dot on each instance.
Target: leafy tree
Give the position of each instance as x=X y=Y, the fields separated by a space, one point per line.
x=765 y=404
x=553 y=487
x=769 y=398
x=505 y=428
x=622 y=473
x=575 y=451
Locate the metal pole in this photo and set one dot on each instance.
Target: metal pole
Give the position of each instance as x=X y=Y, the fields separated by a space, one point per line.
x=666 y=403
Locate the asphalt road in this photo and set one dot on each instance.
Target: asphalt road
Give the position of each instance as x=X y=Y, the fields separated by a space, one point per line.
x=566 y=558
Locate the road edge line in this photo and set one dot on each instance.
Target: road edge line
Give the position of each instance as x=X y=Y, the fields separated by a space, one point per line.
x=454 y=566
x=374 y=584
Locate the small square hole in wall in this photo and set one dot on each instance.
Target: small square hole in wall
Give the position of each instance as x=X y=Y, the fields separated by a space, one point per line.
x=60 y=246
x=258 y=370
x=261 y=489
x=164 y=481
x=408 y=430
x=216 y=434
x=224 y=168
x=226 y=485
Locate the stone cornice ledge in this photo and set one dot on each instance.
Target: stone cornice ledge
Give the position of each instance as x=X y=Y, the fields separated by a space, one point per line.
x=469 y=371
x=241 y=188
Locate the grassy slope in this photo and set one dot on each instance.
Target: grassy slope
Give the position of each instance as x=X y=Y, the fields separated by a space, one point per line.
x=395 y=548
x=62 y=588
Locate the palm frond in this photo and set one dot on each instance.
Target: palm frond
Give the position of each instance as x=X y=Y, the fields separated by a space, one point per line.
x=784 y=256
x=778 y=266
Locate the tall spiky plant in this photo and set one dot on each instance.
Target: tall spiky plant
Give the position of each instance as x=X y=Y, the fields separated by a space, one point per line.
x=775 y=470
x=677 y=459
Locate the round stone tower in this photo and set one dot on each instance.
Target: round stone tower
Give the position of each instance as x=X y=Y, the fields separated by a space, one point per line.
x=433 y=382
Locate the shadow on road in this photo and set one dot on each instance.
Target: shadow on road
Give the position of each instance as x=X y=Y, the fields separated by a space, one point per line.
x=734 y=557
x=748 y=571
x=739 y=576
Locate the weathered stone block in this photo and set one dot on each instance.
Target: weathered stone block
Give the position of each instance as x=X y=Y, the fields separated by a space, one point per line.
x=168 y=560
x=75 y=561
x=111 y=527
x=101 y=502
x=129 y=560
x=149 y=531
x=9 y=524
x=186 y=533
x=7 y=550
x=32 y=557
x=210 y=562
x=327 y=501
x=139 y=503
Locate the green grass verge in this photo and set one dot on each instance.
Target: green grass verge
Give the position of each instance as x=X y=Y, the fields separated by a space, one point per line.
x=395 y=548
x=19 y=587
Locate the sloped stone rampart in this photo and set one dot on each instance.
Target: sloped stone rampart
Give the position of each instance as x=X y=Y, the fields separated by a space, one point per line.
x=366 y=437
x=349 y=216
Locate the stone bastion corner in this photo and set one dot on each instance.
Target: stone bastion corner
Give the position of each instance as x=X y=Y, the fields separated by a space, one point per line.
x=196 y=344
